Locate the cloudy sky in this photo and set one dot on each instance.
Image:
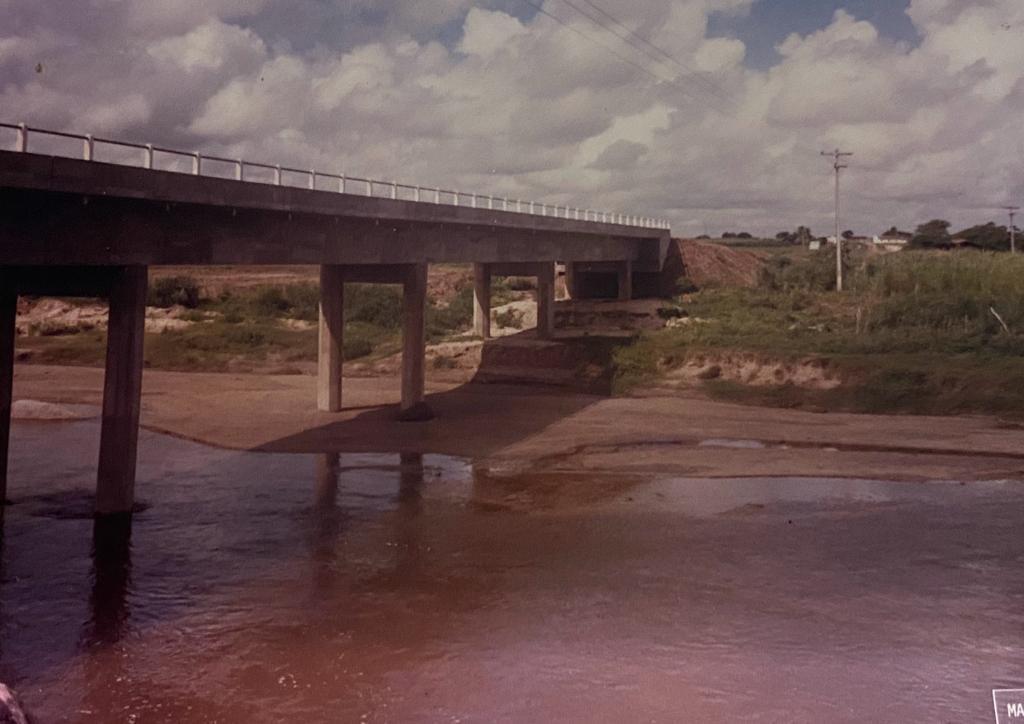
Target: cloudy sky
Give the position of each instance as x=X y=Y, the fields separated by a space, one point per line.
x=714 y=120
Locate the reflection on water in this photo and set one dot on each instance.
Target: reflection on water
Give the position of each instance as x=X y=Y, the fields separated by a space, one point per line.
x=111 y=578
x=341 y=587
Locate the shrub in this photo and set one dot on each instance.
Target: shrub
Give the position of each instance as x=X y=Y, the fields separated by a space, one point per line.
x=354 y=347
x=457 y=316
x=271 y=302
x=171 y=291
x=374 y=304
x=521 y=284
x=511 y=318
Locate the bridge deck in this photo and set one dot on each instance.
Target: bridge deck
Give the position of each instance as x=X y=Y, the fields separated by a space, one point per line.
x=64 y=211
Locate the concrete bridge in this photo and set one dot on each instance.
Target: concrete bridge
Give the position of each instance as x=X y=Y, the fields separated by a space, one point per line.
x=90 y=227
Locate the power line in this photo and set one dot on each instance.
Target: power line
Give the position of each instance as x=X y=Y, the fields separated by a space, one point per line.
x=611 y=50
x=708 y=85
x=1013 y=231
x=837 y=157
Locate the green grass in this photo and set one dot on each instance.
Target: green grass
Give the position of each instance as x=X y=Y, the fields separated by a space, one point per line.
x=913 y=333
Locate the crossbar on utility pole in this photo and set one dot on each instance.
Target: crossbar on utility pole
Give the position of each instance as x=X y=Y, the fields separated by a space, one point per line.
x=1013 y=230
x=837 y=157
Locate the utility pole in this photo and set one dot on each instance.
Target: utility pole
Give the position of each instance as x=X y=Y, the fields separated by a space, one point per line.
x=1013 y=231
x=837 y=164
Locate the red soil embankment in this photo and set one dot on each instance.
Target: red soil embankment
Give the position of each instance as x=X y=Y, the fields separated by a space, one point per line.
x=707 y=264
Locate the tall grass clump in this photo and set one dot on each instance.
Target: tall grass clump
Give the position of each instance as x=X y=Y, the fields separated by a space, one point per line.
x=957 y=295
x=168 y=292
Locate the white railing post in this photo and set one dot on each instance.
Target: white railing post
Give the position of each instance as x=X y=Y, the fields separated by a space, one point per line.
x=455 y=196
x=472 y=200
x=312 y=179
x=416 y=194
x=369 y=188
x=87 y=147
x=394 y=190
x=148 y=157
x=341 y=184
x=239 y=170
x=197 y=163
x=21 y=144
x=437 y=195
x=490 y=202
x=277 y=175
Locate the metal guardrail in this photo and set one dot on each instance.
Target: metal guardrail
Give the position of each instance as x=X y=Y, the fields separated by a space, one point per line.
x=342 y=183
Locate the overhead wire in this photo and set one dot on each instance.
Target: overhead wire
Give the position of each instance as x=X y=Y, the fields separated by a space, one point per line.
x=638 y=66
x=711 y=87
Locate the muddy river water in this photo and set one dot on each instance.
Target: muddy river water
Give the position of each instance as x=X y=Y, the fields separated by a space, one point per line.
x=386 y=588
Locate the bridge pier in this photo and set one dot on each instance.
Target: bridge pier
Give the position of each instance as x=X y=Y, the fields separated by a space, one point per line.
x=8 y=310
x=122 y=392
x=545 y=299
x=624 y=280
x=544 y=272
x=414 y=337
x=571 y=279
x=332 y=329
x=482 y=300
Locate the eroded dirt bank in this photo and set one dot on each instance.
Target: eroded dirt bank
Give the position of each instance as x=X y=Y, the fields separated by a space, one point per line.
x=539 y=429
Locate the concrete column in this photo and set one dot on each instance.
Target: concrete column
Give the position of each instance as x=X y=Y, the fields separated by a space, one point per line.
x=625 y=274
x=8 y=309
x=122 y=392
x=414 y=342
x=482 y=300
x=332 y=330
x=545 y=299
x=570 y=280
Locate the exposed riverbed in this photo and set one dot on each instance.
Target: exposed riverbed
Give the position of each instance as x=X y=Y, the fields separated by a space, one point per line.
x=378 y=587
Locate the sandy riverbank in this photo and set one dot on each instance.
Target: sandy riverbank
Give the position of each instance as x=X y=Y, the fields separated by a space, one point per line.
x=542 y=429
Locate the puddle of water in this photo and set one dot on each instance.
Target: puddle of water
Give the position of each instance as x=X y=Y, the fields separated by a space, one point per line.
x=256 y=587
x=731 y=443
x=715 y=496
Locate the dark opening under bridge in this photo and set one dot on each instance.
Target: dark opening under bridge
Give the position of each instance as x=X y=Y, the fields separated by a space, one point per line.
x=86 y=227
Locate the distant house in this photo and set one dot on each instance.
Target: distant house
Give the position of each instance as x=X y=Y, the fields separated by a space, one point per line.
x=893 y=240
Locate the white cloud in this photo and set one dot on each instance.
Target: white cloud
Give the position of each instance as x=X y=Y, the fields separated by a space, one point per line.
x=463 y=94
x=212 y=46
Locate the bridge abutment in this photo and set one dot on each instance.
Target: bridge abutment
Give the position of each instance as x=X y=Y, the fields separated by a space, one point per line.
x=600 y=280
x=122 y=392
